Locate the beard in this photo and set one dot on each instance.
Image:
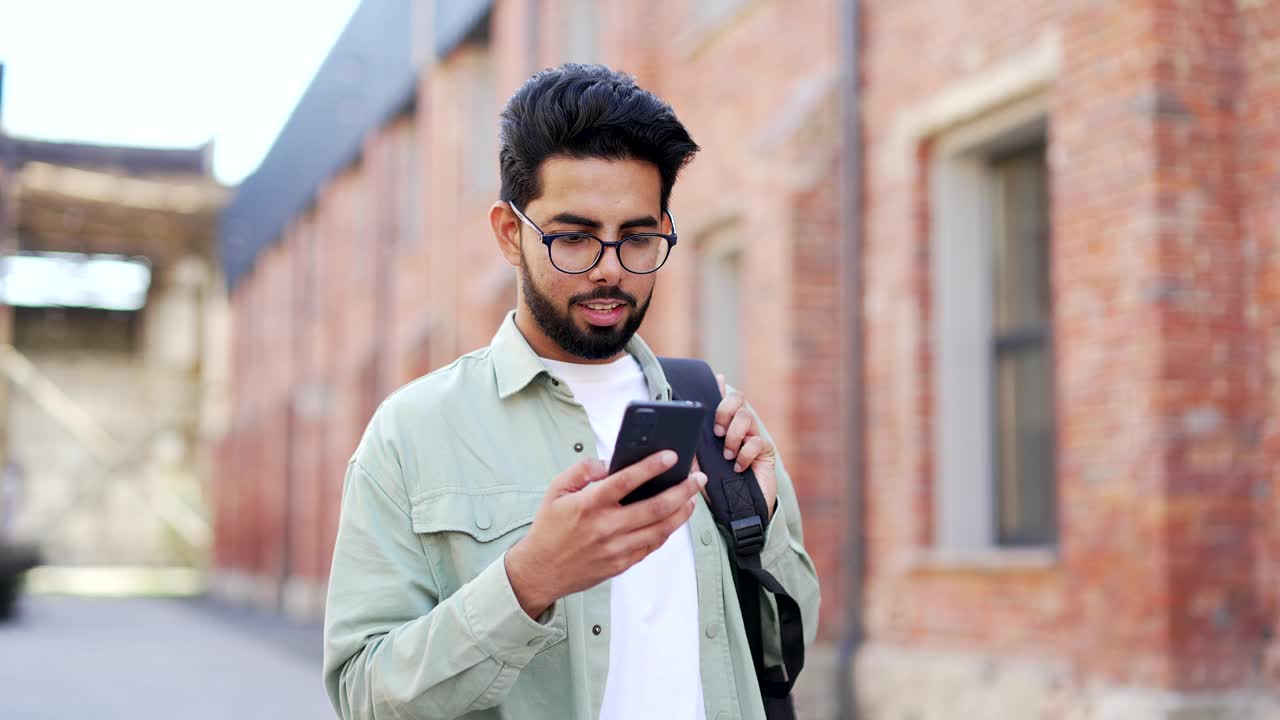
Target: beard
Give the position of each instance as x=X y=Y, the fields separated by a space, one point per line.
x=594 y=343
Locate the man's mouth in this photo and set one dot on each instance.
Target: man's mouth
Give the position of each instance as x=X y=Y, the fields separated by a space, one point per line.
x=603 y=313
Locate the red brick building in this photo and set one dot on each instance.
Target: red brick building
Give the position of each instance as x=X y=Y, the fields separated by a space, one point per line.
x=1067 y=258
x=1153 y=585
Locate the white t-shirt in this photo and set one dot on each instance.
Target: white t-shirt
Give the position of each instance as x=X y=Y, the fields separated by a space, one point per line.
x=653 y=606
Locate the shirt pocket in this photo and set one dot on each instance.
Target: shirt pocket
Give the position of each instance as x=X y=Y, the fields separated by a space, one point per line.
x=463 y=531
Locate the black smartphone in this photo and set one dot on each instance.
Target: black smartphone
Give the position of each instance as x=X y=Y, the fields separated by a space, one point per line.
x=650 y=427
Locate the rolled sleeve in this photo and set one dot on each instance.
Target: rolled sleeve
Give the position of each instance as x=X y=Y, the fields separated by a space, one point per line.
x=777 y=538
x=500 y=626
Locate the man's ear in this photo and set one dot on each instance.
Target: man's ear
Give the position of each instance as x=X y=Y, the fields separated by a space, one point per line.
x=506 y=230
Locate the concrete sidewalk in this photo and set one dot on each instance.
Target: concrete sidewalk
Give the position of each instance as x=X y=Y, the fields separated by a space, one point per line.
x=147 y=658
x=194 y=659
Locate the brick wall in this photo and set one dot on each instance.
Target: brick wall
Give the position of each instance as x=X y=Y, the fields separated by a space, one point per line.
x=1216 y=628
x=909 y=601
x=1257 y=177
x=1162 y=233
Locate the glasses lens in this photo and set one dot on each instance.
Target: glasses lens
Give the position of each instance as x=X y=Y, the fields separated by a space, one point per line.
x=644 y=253
x=574 y=253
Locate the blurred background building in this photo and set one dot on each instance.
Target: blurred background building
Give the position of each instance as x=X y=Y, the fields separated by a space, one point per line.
x=1038 y=242
x=112 y=339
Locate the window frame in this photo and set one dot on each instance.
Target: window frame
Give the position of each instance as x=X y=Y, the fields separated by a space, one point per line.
x=963 y=203
x=480 y=77
x=716 y=250
x=411 y=196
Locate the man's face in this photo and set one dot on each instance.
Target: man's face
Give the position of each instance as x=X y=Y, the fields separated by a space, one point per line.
x=593 y=315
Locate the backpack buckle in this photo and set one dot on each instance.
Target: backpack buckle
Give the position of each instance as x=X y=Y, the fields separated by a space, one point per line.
x=748 y=536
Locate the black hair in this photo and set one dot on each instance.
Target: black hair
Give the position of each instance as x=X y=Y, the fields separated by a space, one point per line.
x=586 y=111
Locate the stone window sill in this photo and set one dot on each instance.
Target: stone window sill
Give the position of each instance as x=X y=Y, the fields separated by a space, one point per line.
x=987 y=560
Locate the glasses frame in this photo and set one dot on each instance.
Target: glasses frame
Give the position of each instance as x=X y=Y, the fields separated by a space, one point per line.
x=548 y=238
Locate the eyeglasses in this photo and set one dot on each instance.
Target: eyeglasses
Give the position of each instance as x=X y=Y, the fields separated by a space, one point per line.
x=575 y=253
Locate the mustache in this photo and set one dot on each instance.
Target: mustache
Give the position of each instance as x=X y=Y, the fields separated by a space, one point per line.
x=604 y=294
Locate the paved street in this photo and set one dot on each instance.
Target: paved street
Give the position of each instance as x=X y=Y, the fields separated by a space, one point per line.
x=142 y=658
x=64 y=658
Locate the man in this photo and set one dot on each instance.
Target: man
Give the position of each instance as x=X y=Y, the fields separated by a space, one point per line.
x=484 y=566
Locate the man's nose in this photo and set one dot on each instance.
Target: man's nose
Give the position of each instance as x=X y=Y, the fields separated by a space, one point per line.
x=609 y=270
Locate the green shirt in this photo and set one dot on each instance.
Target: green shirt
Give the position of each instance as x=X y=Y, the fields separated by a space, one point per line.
x=421 y=621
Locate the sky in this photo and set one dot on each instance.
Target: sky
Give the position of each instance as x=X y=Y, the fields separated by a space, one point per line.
x=163 y=73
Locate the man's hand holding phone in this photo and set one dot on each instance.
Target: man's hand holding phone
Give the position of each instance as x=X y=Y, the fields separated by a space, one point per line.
x=582 y=535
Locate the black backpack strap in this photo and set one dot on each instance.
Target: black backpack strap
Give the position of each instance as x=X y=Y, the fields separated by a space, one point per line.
x=735 y=498
x=739 y=508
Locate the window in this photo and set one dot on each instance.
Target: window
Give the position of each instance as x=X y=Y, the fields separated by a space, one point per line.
x=1023 y=365
x=74 y=280
x=304 y=258
x=418 y=352
x=482 y=166
x=411 y=199
x=581 y=25
x=367 y=390
x=995 y=429
x=360 y=198
x=720 y=307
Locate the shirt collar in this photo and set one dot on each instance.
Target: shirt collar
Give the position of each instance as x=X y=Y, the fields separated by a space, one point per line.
x=515 y=364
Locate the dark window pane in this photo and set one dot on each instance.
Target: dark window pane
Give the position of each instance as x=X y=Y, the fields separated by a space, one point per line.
x=1025 y=463
x=1025 y=415
x=1021 y=251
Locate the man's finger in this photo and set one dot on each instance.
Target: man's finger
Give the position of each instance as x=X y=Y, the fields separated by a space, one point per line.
x=618 y=485
x=662 y=506
x=739 y=428
x=697 y=470
x=720 y=382
x=578 y=476
x=725 y=412
x=752 y=449
x=651 y=537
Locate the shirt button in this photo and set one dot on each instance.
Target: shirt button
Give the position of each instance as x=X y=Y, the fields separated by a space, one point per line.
x=577 y=447
x=713 y=630
x=706 y=537
x=596 y=630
